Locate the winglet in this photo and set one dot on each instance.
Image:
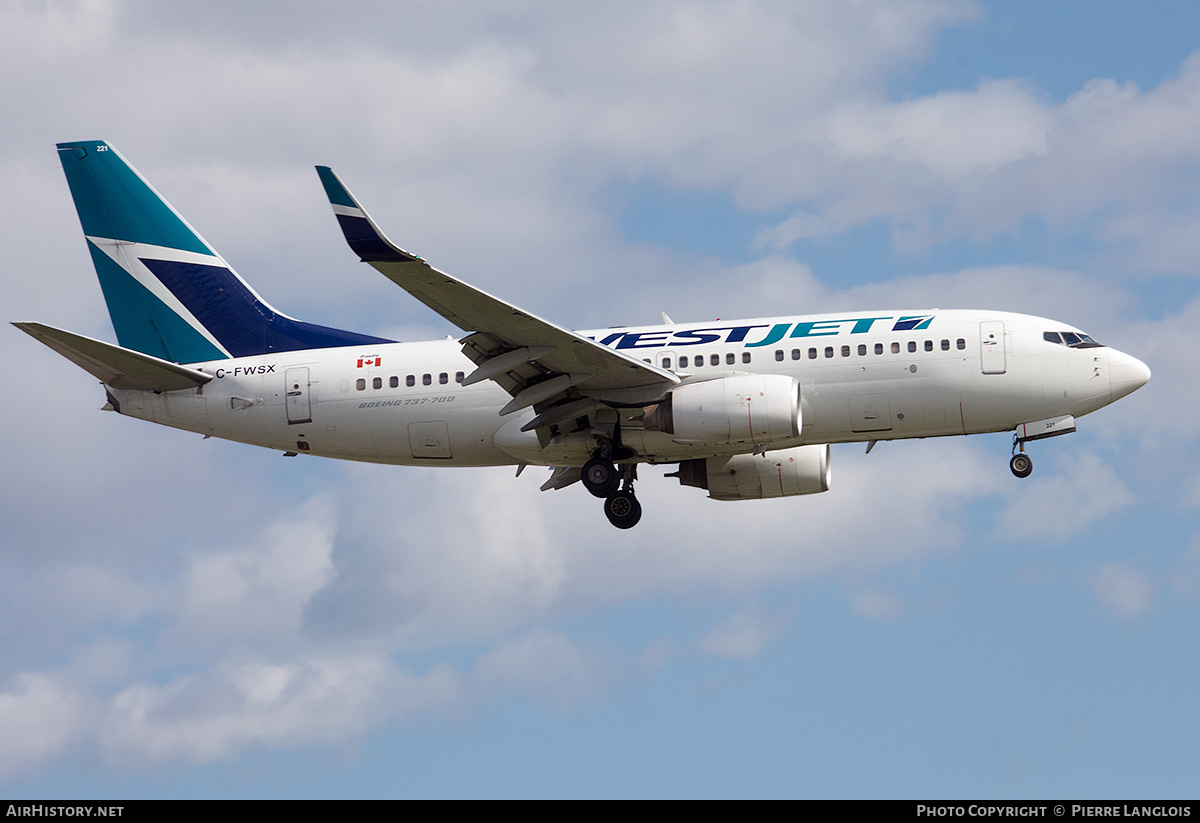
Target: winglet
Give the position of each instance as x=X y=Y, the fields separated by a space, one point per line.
x=364 y=237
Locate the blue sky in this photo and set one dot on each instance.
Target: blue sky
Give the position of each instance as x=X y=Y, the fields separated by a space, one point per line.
x=189 y=618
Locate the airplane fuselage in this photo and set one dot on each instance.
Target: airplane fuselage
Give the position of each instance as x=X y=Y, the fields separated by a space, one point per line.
x=872 y=376
x=745 y=408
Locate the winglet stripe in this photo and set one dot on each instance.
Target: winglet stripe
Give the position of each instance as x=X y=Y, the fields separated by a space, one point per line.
x=360 y=231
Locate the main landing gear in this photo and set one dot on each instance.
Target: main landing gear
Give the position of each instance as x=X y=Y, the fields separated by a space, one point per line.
x=615 y=485
x=623 y=509
x=1021 y=464
x=600 y=477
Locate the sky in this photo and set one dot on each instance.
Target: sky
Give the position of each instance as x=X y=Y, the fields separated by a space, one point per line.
x=195 y=618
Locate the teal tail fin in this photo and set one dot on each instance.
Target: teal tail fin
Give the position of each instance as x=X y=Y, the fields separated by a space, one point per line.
x=169 y=294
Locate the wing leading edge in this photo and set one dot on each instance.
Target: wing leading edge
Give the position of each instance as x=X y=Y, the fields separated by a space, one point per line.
x=541 y=364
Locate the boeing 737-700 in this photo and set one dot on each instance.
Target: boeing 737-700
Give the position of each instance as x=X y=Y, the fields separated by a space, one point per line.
x=747 y=409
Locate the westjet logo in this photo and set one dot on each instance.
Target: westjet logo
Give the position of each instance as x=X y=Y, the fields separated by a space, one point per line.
x=764 y=334
x=913 y=323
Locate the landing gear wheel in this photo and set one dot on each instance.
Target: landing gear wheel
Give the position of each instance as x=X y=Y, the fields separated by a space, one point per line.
x=600 y=477
x=1021 y=465
x=623 y=510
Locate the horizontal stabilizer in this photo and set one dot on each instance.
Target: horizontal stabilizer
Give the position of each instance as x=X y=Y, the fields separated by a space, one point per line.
x=115 y=366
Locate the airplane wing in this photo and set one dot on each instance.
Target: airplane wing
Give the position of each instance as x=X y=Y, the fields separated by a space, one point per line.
x=536 y=361
x=115 y=366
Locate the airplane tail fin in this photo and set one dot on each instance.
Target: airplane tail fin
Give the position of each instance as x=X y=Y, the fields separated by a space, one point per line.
x=169 y=294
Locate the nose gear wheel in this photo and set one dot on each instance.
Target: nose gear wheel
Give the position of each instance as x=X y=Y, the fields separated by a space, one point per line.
x=1021 y=464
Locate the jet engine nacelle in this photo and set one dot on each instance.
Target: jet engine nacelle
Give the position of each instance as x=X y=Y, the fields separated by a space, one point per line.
x=780 y=473
x=745 y=408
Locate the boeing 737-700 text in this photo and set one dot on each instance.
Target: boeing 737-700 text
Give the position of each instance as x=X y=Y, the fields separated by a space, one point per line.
x=746 y=408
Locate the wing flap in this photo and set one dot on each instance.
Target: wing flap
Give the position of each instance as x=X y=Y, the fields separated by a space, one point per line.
x=116 y=366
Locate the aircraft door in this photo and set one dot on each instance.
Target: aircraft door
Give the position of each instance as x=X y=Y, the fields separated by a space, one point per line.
x=299 y=408
x=991 y=347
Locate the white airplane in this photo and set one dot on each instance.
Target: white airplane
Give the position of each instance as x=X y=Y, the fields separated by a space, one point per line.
x=746 y=408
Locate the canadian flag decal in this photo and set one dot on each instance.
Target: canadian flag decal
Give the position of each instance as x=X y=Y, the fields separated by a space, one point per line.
x=369 y=360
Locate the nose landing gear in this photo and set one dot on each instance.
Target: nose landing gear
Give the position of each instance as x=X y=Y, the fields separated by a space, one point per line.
x=1021 y=464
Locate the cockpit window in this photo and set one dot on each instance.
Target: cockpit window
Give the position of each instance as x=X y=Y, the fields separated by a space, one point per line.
x=1073 y=339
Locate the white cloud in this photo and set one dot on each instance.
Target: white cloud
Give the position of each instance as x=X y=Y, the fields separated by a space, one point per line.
x=1166 y=345
x=261 y=590
x=951 y=134
x=742 y=636
x=544 y=664
x=218 y=713
x=877 y=605
x=38 y=715
x=1081 y=491
x=1122 y=588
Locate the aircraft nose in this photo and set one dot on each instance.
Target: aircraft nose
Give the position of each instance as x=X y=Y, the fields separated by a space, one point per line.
x=1126 y=374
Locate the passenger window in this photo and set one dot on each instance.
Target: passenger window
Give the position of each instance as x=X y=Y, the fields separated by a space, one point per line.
x=862 y=349
x=458 y=377
x=394 y=382
x=962 y=344
x=730 y=359
x=745 y=357
x=795 y=354
x=812 y=354
x=845 y=351
x=698 y=360
x=377 y=383
x=879 y=348
x=945 y=345
x=895 y=348
x=912 y=345
x=666 y=364
x=360 y=384
x=928 y=345
x=443 y=378
x=427 y=380
x=683 y=363
x=829 y=351
x=411 y=380
x=715 y=360
x=779 y=354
